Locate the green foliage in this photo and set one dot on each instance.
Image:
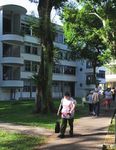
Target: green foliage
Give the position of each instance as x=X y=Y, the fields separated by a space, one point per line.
x=105 y=11
x=86 y=29
x=112 y=127
x=81 y=31
x=111 y=68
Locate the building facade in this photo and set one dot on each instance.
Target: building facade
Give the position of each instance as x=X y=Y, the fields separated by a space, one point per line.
x=20 y=54
x=111 y=74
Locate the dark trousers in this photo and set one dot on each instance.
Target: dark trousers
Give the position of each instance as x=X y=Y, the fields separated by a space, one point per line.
x=113 y=97
x=90 y=108
x=64 y=125
x=97 y=108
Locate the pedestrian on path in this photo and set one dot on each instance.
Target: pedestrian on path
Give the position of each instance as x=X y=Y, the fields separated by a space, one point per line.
x=67 y=110
x=108 y=98
x=96 y=102
x=90 y=102
x=113 y=90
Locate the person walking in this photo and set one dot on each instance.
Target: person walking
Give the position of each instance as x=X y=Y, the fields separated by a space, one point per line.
x=90 y=102
x=67 y=110
x=113 y=93
x=108 y=98
x=96 y=102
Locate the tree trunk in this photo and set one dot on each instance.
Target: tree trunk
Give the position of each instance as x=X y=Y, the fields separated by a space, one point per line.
x=94 y=73
x=45 y=73
x=38 y=102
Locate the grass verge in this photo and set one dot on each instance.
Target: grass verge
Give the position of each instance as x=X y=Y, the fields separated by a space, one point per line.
x=21 y=112
x=16 y=141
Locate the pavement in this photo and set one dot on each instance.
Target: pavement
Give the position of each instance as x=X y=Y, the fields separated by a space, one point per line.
x=89 y=133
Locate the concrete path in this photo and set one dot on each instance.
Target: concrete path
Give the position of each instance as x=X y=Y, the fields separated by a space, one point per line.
x=36 y=131
x=89 y=133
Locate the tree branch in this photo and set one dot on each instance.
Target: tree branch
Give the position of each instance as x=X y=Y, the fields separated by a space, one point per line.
x=103 y=21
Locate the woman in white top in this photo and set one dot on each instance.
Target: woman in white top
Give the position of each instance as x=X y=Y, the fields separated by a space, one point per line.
x=67 y=110
x=90 y=102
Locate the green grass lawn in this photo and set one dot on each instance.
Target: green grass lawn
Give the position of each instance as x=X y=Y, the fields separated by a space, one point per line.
x=21 y=112
x=16 y=141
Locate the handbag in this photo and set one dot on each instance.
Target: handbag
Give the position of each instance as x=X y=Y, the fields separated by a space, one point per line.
x=57 y=126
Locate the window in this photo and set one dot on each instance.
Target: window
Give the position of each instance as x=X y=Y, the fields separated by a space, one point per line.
x=33 y=88
x=101 y=74
x=56 y=87
x=34 y=50
x=25 y=29
x=69 y=70
x=60 y=55
x=67 y=56
x=10 y=50
x=59 y=38
x=28 y=49
x=27 y=65
x=31 y=49
x=26 y=89
x=89 y=79
x=88 y=64
x=34 y=66
x=6 y=25
x=31 y=66
x=57 y=69
x=11 y=73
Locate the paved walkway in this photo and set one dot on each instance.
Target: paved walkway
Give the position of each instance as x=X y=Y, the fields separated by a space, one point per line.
x=89 y=133
x=26 y=129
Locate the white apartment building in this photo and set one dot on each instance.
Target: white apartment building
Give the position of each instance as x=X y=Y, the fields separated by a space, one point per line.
x=20 y=56
x=110 y=74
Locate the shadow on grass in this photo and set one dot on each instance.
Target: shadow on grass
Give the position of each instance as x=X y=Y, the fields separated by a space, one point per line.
x=21 y=112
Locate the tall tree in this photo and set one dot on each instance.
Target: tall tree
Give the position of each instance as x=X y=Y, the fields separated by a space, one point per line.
x=46 y=34
x=105 y=11
x=82 y=35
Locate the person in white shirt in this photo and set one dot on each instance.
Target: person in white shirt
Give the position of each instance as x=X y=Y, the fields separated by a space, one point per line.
x=90 y=102
x=96 y=102
x=108 y=97
x=67 y=110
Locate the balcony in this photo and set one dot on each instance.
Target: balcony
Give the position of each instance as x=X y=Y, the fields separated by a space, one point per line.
x=18 y=9
x=60 y=45
x=12 y=38
x=31 y=57
x=12 y=83
x=26 y=75
x=62 y=77
x=12 y=60
x=32 y=39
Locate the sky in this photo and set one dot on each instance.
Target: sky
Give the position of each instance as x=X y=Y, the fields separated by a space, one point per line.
x=25 y=3
x=31 y=7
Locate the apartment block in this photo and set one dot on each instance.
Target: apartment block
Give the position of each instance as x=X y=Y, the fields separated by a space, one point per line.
x=20 y=52
x=111 y=74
